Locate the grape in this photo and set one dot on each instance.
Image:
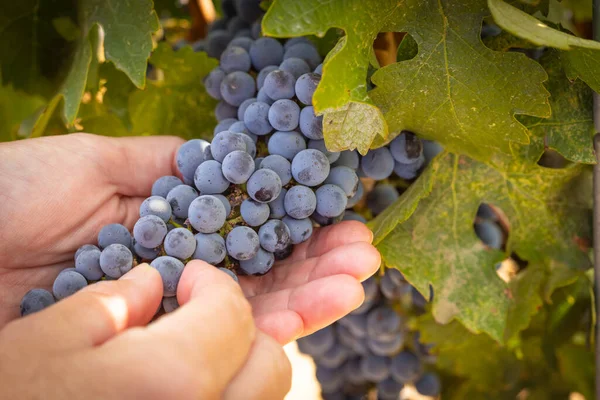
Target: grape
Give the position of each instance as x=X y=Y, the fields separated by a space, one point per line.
x=219 y=24
x=255 y=30
x=238 y=166
x=485 y=211
x=354 y=200
x=286 y=144
x=277 y=206
x=279 y=85
x=144 y=252
x=295 y=66
x=198 y=45
x=386 y=347
x=254 y=213
x=406 y=148
x=69 y=282
x=345 y=178
x=311 y=126
x=353 y=372
x=189 y=156
x=407 y=171
x=274 y=235
x=417 y=299
x=395 y=276
x=284 y=115
x=83 y=248
x=225 y=202
x=266 y=51
x=381 y=197
x=256 y=118
x=170 y=304
x=236 y=23
x=241 y=111
x=257 y=162
x=216 y=42
x=306 y=86
x=209 y=248
x=243 y=42
x=156 y=205
x=280 y=165
x=242 y=243
x=334 y=357
x=35 y=300
x=389 y=389
x=326 y=221
x=209 y=178
x=429 y=385
x=490 y=234
x=405 y=367
x=226 y=142
x=260 y=264
x=212 y=83
x=383 y=323
x=149 y=231
x=371 y=295
x=163 y=185
x=207 y=214
x=300 y=229
x=260 y=78
x=348 y=158
x=331 y=200
x=332 y=156
x=319 y=69
x=88 y=264
x=356 y=323
x=330 y=379
x=317 y=343
x=237 y=87
x=375 y=368
x=310 y=167
x=305 y=51
x=264 y=185
x=352 y=216
x=180 y=243
x=378 y=164
x=230 y=273
x=226 y=115
x=392 y=290
x=300 y=39
x=431 y=149
x=170 y=270
x=262 y=96
x=285 y=252
x=114 y=233
x=235 y=58
x=300 y=202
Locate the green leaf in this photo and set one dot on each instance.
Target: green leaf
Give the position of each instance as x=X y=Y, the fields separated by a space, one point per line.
x=570 y=129
x=528 y=27
x=15 y=106
x=42 y=123
x=107 y=125
x=437 y=245
x=576 y=364
x=583 y=64
x=118 y=89
x=178 y=105
x=456 y=90
x=73 y=87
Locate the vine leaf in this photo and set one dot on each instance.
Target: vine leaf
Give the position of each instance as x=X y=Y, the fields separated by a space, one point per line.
x=437 y=245
x=15 y=106
x=582 y=63
x=571 y=128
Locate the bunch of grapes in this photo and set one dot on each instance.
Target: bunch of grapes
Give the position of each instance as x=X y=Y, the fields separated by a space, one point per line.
x=371 y=349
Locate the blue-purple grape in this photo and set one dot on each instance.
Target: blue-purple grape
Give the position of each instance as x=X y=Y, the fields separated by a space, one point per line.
x=36 y=300
x=180 y=243
x=254 y=213
x=306 y=86
x=209 y=178
x=280 y=165
x=260 y=264
x=266 y=51
x=300 y=202
x=238 y=166
x=207 y=214
x=237 y=86
x=163 y=185
x=286 y=144
x=88 y=264
x=300 y=229
x=274 y=235
x=114 y=233
x=279 y=85
x=170 y=270
x=210 y=247
x=156 y=205
x=68 y=283
x=242 y=243
x=256 y=118
x=311 y=125
x=310 y=167
x=284 y=115
x=264 y=185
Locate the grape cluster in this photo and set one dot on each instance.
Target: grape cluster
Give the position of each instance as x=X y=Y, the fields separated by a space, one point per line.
x=371 y=349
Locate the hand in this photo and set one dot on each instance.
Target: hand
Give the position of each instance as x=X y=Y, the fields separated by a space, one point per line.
x=91 y=345
x=57 y=192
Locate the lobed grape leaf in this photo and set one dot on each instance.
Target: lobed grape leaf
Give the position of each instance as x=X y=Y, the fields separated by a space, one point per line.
x=582 y=63
x=437 y=245
x=15 y=106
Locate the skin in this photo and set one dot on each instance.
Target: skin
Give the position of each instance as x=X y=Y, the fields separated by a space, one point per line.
x=56 y=194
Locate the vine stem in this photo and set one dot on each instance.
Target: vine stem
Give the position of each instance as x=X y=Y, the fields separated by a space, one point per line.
x=596 y=36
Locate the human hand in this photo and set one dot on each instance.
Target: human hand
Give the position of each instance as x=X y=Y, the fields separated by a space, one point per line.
x=58 y=192
x=92 y=346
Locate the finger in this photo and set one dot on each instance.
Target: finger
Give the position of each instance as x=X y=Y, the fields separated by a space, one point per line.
x=267 y=373
x=360 y=260
x=139 y=161
x=98 y=312
x=317 y=304
x=330 y=237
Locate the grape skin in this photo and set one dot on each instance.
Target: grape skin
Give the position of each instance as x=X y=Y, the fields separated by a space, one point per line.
x=243 y=42
x=295 y=66
x=266 y=51
x=260 y=264
x=180 y=243
x=207 y=214
x=242 y=243
x=375 y=368
x=189 y=156
x=209 y=178
x=225 y=202
x=383 y=323
x=405 y=367
x=242 y=109
x=378 y=164
x=406 y=148
x=280 y=165
x=305 y=51
x=306 y=86
x=35 y=300
x=311 y=125
x=348 y=158
x=83 y=248
x=163 y=185
x=332 y=156
x=330 y=379
x=381 y=197
x=331 y=200
x=145 y=253
x=254 y=213
x=262 y=96
x=274 y=235
x=284 y=115
x=318 y=342
x=279 y=85
x=490 y=234
x=88 y=264
x=209 y=248
x=180 y=198
x=113 y=233
x=225 y=114
x=429 y=385
x=224 y=143
x=277 y=206
x=237 y=167
x=388 y=389
x=237 y=87
x=310 y=167
x=216 y=42
x=235 y=58
x=264 y=185
x=212 y=83
x=408 y=171
x=300 y=202
x=334 y=357
x=300 y=229
x=286 y=144
x=256 y=118
x=260 y=78
x=149 y=231
x=170 y=304
x=230 y=273
x=352 y=216
x=170 y=270
x=345 y=178
x=156 y=205
x=68 y=283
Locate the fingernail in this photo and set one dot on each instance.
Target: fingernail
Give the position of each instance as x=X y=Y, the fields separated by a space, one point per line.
x=372 y=237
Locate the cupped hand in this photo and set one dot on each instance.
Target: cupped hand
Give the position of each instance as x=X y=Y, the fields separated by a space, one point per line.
x=57 y=192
